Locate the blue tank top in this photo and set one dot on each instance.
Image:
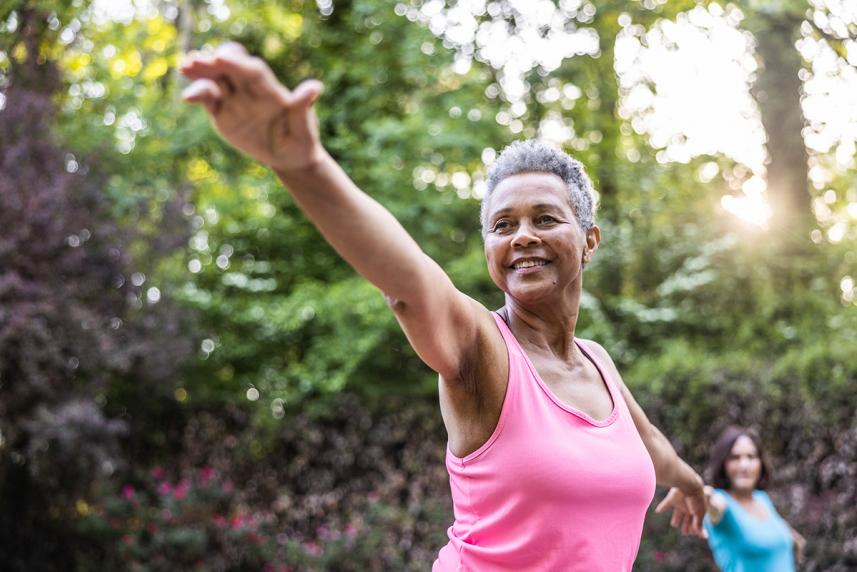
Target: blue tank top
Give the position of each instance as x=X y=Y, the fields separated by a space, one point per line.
x=743 y=543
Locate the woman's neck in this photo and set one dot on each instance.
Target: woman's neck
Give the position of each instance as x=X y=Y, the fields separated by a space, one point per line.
x=742 y=495
x=549 y=329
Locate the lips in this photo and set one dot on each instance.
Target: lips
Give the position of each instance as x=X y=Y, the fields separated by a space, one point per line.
x=529 y=263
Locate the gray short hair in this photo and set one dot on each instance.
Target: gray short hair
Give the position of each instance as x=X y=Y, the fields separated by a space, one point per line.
x=535 y=157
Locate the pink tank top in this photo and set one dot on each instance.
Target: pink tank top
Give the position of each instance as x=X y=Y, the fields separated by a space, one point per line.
x=552 y=489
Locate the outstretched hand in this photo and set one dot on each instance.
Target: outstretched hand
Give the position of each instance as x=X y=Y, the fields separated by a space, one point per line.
x=252 y=110
x=688 y=511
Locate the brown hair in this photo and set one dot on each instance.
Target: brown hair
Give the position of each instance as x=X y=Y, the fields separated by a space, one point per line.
x=720 y=454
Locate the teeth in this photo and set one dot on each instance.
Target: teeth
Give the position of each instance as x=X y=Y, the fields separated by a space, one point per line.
x=529 y=263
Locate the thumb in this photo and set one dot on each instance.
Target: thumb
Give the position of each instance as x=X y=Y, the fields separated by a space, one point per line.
x=301 y=99
x=305 y=94
x=665 y=503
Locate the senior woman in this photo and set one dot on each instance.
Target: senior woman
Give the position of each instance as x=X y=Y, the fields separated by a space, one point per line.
x=552 y=463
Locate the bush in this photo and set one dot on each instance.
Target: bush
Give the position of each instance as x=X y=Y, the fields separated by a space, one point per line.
x=363 y=492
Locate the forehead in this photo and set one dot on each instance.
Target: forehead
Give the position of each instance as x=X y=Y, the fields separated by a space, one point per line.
x=743 y=446
x=528 y=189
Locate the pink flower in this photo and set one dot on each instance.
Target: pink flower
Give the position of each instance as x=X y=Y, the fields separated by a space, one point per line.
x=181 y=490
x=128 y=539
x=218 y=521
x=351 y=530
x=325 y=533
x=165 y=488
x=128 y=492
x=237 y=521
x=282 y=538
x=312 y=549
x=158 y=473
x=206 y=474
x=228 y=487
x=660 y=555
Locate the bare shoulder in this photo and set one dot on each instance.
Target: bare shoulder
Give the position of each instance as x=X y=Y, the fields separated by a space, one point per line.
x=599 y=352
x=604 y=357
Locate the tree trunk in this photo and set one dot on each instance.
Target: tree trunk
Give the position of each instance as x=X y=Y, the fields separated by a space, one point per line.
x=778 y=94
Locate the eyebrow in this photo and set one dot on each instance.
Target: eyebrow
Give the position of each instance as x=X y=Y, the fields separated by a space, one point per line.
x=539 y=206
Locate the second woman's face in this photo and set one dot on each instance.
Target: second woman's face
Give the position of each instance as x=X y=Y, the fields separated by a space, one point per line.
x=743 y=465
x=534 y=245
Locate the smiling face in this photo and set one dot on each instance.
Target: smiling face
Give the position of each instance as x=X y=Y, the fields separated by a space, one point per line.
x=743 y=465
x=534 y=245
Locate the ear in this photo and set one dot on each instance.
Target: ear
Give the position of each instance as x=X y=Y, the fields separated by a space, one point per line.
x=593 y=239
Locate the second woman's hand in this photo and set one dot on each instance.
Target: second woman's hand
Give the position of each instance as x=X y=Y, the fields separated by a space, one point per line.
x=252 y=110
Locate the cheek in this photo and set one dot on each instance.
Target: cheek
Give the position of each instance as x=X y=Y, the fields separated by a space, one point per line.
x=491 y=261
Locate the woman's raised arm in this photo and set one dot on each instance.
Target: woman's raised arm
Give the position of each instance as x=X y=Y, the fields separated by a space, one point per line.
x=259 y=116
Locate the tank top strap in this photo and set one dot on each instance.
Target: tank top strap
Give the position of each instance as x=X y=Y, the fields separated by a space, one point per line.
x=612 y=386
x=512 y=344
x=620 y=406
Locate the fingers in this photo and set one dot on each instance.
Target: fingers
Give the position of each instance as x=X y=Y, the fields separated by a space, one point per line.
x=696 y=512
x=307 y=92
x=667 y=502
x=698 y=529
x=231 y=47
x=686 y=522
x=684 y=517
x=693 y=525
x=237 y=72
x=230 y=60
x=302 y=119
x=205 y=92
x=212 y=66
x=695 y=522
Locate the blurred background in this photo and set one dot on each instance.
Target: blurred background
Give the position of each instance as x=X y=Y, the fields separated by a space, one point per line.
x=190 y=379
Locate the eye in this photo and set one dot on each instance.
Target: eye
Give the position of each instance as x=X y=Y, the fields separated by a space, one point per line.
x=501 y=225
x=545 y=219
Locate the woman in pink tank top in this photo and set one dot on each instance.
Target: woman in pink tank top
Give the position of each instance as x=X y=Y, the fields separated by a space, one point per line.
x=552 y=464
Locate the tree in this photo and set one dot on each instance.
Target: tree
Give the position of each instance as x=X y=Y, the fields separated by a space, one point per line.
x=75 y=320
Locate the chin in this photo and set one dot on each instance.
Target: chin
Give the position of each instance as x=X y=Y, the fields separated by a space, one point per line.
x=529 y=296
x=745 y=486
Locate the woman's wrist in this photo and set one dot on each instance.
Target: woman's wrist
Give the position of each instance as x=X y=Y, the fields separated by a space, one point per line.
x=689 y=481
x=312 y=165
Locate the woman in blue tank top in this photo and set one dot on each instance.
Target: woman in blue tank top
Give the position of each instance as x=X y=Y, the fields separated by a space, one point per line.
x=745 y=531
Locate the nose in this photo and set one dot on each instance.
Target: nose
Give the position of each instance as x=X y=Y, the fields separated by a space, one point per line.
x=525 y=236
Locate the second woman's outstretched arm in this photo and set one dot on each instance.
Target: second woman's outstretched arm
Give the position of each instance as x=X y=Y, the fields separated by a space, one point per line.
x=259 y=116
